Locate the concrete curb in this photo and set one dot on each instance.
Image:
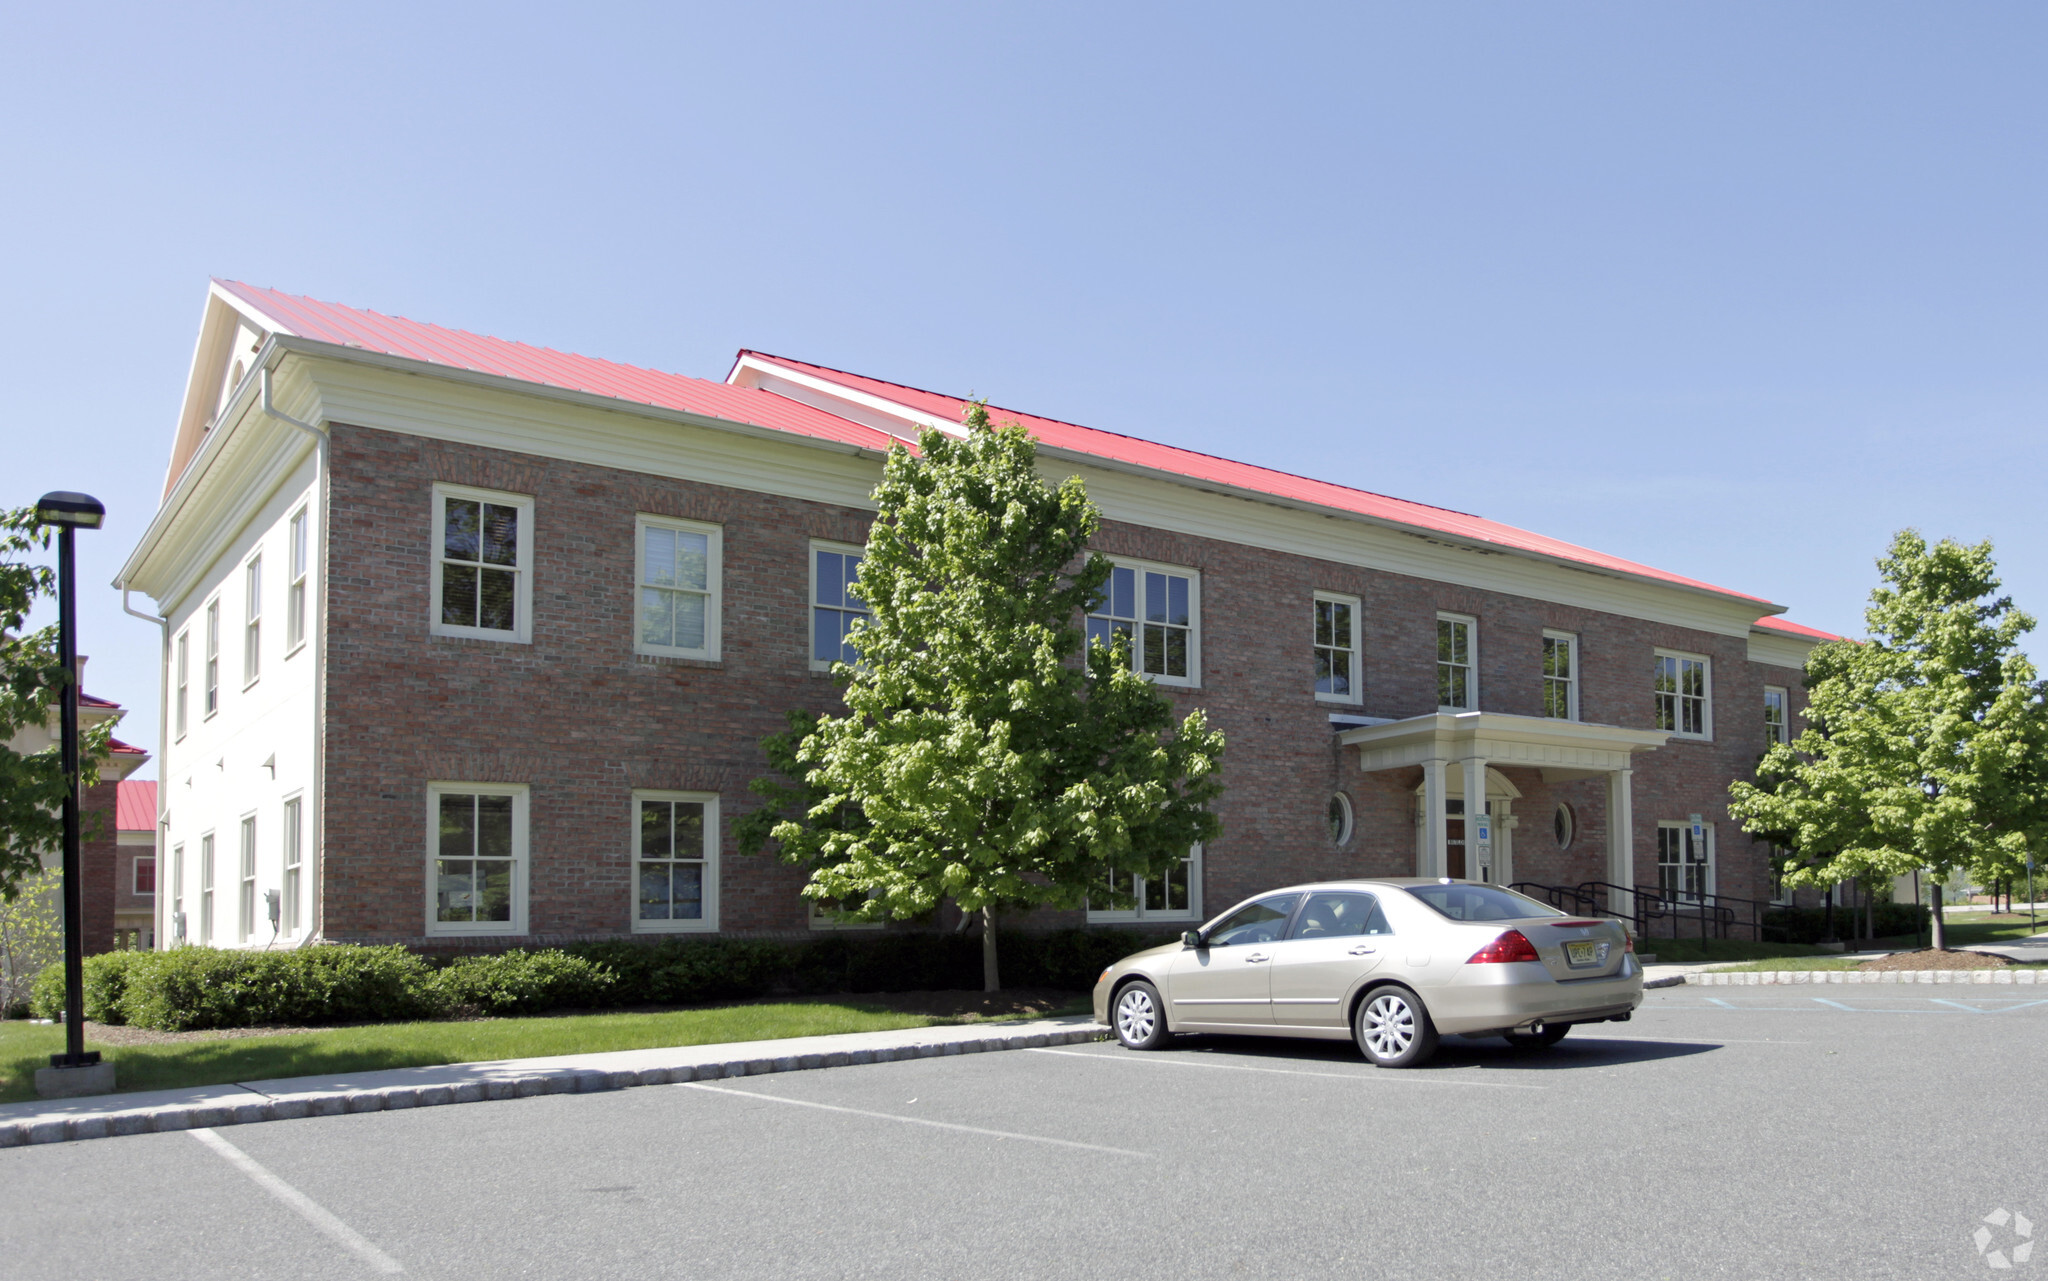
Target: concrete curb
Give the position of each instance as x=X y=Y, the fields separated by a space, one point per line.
x=115 y=1121
x=1756 y=978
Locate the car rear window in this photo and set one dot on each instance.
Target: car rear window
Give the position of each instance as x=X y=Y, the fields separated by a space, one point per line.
x=1480 y=902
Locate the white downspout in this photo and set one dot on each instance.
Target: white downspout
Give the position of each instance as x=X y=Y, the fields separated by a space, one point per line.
x=163 y=745
x=315 y=849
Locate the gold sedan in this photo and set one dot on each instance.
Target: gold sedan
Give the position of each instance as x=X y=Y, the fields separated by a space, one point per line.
x=1390 y=963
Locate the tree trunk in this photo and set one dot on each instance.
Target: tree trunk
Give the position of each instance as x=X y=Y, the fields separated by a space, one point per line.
x=1869 y=914
x=991 y=979
x=1934 y=918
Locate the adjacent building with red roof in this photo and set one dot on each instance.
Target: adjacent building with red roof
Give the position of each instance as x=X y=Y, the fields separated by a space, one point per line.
x=474 y=643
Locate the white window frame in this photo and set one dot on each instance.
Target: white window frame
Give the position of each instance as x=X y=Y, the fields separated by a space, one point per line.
x=1570 y=641
x=1684 y=828
x=1355 y=649
x=183 y=662
x=520 y=859
x=295 y=594
x=1681 y=657
x=252 y=621
x=1348 y=824
x=206 y=856
x=1779 y=730
x=245 y=882
x=1193 y=680
x=714 y=596
x=291 y=847
x=212 y=658
x=1471 y=626
x=135 y=876
x=522 y=594
x=1138 y=912
x=811 y=605
x=176 y=931
x=714 y=838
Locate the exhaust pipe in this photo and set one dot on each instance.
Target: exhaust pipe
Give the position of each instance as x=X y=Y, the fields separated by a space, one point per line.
x=1536 y=1028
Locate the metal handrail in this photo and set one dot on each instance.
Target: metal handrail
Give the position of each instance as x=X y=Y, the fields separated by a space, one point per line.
x=1654 y=912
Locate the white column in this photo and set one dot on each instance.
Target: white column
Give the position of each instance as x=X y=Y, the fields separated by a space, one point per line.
x=1621 y=839
x=1435 y=839
x=1475 y=805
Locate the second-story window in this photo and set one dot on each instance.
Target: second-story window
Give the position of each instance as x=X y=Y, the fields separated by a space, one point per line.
x=1776 y=725
x=252 y=621
x=1682 y=695
x=1457 y=660
x=212 y=657
x=1561 y=676
x=678 y=588
x=295 y=603
x=1159 y=608
x=483 y=581
x=1336 y=648
x=835 y=603
x=184 y=680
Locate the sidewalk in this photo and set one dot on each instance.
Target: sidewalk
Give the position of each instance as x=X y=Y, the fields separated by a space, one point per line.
x=244 y=1102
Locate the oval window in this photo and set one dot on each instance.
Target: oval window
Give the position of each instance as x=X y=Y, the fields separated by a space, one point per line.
x=1566 y=826
x=1340 y=819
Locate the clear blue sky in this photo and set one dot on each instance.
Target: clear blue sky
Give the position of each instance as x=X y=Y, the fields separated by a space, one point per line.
x=1736 y=290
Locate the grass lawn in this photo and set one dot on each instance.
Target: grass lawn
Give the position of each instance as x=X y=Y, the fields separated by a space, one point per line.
x=24 y=1047
x=1795 y=963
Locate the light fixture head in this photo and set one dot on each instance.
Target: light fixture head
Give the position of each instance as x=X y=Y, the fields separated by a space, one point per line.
x=66 y=508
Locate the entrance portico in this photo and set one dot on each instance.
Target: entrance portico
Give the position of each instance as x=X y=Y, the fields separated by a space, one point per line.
x=1457 y=752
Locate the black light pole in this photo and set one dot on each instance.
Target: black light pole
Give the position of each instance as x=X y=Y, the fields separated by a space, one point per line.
x=68 y=511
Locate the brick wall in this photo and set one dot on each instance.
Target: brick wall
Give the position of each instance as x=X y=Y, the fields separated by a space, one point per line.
x=582 y=721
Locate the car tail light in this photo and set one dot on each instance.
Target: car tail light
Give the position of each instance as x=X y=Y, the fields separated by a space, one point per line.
x=1511 y=946
x=1628 y=941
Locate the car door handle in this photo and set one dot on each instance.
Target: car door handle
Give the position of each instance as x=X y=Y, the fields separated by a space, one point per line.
x=1255 y=958
x=1363 y=951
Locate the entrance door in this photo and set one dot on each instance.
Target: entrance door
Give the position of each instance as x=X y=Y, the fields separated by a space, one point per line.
x=1454 y=839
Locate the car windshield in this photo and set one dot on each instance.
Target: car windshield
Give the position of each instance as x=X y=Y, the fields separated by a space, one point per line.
x=1463 y=902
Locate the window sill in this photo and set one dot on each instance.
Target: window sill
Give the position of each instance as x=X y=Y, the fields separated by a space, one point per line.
x=496 y=929
x=1338 y=700
x=249 y=685
x=675 y=927
x=646 y=659
x=478 y=634
x=290 y=653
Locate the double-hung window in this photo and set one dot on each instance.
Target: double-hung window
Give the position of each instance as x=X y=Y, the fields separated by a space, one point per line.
x=1777 y=729
x=1561 y=676
x=476 y=858
x=676 y=568
x=177 y=921
x=212 y=656
x=1685 y=861
x=1457 y=662
x=1684 y=693
x=206 y=888
x=252 y=622
x=1177 y=896
x=483 y=564
x=184 y=681
x=835 y=604
x=1336 y=648
x=292 y=840
x=295 y=593
x=245 y=919
x=1159 y=608
x=145 y=876
x=675 y=861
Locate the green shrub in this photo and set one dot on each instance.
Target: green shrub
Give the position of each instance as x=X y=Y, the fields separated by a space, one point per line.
x=106 y=983
x=201 y=987
x=1809 y=924
x=524 y=982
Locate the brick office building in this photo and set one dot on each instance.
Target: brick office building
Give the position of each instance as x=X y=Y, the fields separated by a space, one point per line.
x=474 y=643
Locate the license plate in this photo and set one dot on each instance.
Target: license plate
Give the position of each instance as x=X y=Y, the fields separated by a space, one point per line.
x=1581 y=952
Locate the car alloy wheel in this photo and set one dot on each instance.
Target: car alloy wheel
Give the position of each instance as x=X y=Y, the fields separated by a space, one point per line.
x=1139 y=1023
x=1393 y=1028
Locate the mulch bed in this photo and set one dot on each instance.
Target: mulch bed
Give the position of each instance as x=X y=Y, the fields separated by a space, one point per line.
x=1929 y=959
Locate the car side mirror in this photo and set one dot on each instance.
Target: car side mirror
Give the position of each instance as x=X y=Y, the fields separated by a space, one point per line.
x=1193 y=938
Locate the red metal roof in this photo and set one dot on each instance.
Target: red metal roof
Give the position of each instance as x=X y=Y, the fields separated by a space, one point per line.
x=457 y=349
x=1790 y=628
x=1245 y=476
x=135 y=806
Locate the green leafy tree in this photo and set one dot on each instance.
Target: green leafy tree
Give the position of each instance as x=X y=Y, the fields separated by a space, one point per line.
x=978 y=759
x=31 y=678
x=31 y=937
x=1926 y=745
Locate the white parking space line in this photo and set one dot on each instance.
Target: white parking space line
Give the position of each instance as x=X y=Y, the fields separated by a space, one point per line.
x=913 y=1120
x=309 y=1209
x=1686 y=1040
x=1377 y=1074
x=1935 y=1005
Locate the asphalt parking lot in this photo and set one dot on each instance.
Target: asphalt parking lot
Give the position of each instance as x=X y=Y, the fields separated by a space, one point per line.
x=1768 y=1135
